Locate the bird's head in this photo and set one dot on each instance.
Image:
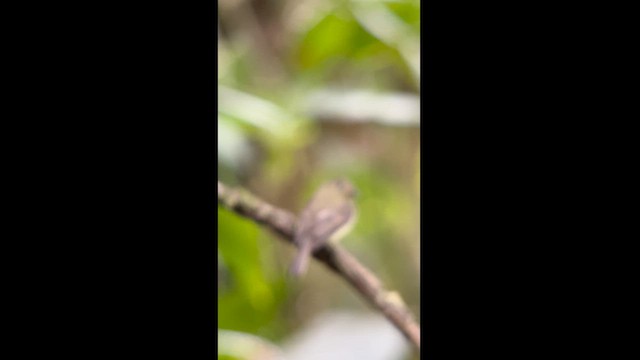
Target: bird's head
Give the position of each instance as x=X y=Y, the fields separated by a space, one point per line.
x=345 y=187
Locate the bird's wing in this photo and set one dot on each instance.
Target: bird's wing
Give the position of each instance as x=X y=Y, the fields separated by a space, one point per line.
x=327 y=222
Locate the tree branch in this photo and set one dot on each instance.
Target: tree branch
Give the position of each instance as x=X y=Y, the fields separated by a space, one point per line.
x=334 y=256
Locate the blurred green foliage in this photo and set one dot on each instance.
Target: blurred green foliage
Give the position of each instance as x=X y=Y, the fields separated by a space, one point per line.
x=252 y=302
x=274 y=57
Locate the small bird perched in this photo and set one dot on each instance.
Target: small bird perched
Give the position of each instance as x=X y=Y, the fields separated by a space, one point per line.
x=329 y=216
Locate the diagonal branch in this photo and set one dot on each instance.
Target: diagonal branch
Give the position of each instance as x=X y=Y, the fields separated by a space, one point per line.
x=334 y=256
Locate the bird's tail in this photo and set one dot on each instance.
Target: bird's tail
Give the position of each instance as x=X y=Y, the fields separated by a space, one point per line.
x=300 y=263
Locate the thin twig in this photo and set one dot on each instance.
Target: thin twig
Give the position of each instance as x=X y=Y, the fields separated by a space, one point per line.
x=335 y=257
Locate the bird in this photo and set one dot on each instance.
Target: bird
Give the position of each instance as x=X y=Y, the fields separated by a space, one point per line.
x=329 y=216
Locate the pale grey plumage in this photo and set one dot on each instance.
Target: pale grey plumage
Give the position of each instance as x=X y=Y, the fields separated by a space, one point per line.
x=328 y=216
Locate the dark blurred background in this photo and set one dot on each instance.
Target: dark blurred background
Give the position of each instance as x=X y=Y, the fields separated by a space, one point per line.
x=309 y=91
